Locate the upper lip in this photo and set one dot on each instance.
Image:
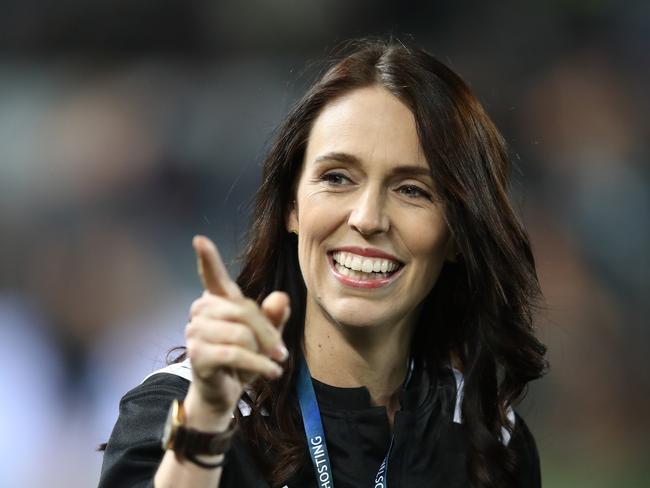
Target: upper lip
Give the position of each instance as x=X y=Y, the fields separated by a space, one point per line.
x=371 y=252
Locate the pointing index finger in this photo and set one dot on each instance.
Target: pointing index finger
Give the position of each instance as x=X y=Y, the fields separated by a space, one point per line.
x=212 y=271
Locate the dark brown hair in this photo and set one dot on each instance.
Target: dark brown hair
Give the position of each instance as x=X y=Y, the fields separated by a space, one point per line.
x=481 y=307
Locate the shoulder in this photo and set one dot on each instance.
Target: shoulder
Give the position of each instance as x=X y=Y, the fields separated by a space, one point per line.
x=143 y=409
x=152 y=398
x=158 y=385
x=133 y=450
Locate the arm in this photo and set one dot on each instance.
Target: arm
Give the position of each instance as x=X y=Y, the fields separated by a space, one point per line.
x=133 y=451
x=177 y=472
x=230 y=342
x=134 y=454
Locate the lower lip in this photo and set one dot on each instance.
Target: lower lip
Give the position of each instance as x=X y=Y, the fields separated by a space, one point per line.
x=373 y=283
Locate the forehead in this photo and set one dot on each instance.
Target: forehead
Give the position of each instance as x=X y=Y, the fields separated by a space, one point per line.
x=371 y=124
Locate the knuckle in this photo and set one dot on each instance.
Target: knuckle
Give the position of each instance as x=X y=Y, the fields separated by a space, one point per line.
x=195 y=328
x=235 y=313
x=244 y=313
x=196 y=307
x=192 y=348
x=201 y=303
x=190 y=330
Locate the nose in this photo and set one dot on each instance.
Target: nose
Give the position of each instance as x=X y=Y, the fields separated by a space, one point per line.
x=368 y=215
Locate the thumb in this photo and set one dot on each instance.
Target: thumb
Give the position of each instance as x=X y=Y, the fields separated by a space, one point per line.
x=276 y=308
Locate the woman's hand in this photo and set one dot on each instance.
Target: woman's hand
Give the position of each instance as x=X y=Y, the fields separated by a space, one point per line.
x=230 y=339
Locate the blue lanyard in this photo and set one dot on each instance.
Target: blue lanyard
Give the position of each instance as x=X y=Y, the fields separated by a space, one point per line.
x=316 y=434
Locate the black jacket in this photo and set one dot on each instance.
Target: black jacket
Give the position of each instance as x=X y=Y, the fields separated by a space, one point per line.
x=429 y=448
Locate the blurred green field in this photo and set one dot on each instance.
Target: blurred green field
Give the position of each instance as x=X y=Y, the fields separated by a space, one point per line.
x=557 y=473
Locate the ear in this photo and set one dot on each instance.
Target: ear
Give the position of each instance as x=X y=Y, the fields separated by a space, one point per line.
x=292 y=219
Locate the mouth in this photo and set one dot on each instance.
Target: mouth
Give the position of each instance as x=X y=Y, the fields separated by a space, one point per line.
x=362 y=271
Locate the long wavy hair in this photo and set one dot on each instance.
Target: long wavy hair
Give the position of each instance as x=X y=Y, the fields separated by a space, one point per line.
x=481 y=307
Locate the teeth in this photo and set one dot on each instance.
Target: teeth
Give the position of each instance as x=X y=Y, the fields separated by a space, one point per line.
x=358 y=275
x=355 y=263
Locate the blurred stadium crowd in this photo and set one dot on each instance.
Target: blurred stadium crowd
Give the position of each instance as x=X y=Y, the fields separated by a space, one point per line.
x=127 y=127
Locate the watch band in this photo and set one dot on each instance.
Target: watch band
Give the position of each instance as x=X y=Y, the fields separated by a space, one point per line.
x=192 y=458
x=188 y=442
x=191 y=441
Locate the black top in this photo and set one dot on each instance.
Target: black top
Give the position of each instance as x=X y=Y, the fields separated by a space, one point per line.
x=429 y=448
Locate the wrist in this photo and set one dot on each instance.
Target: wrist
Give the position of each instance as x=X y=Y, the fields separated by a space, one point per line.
x=204 y=417
x=191 y=441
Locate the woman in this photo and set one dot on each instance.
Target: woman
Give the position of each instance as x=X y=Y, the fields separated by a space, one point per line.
x=389 y=326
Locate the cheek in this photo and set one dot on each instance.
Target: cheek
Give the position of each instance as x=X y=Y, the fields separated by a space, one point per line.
x=321 y=214
x=428 y=246
x=317 y=223
x=315 y=226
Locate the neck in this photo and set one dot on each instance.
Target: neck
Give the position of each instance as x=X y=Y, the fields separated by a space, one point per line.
x=351 y=356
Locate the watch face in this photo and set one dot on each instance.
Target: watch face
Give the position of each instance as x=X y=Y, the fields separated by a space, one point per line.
x=169 y=426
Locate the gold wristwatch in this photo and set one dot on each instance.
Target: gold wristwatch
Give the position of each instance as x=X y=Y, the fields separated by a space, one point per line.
x=188 y=442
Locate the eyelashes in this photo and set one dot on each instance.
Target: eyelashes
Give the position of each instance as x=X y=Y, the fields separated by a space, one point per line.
x=336 y=179
x=413 y=191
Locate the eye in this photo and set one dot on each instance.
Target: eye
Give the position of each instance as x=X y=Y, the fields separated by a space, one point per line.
x=335 y=179
x=413 y=191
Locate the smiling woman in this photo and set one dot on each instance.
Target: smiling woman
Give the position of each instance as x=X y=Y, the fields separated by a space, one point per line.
x=366 y=189
x=388 y=332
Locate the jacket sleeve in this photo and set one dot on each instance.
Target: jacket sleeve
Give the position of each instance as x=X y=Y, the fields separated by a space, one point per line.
x=133 y=451
x=527 y=472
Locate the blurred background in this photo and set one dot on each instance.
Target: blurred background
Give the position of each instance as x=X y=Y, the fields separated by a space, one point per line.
x=127 y=127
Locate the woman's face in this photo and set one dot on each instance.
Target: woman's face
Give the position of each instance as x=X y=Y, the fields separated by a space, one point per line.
x=371 y=239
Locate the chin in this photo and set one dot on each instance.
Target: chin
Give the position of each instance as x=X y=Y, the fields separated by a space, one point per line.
x=357 y=324
x=355 y=315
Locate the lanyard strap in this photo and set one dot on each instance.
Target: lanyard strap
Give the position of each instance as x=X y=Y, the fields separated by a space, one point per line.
x=315 y=433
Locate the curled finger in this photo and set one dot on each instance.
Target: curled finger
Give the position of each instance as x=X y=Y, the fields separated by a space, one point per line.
x=221 y=332
x=247 y=312
x=208 y=357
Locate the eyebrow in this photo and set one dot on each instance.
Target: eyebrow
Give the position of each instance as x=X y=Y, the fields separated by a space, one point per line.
x=346 y=158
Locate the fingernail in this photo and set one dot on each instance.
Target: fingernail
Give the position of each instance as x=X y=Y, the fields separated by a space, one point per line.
x=287 y=313
x=279 y=352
